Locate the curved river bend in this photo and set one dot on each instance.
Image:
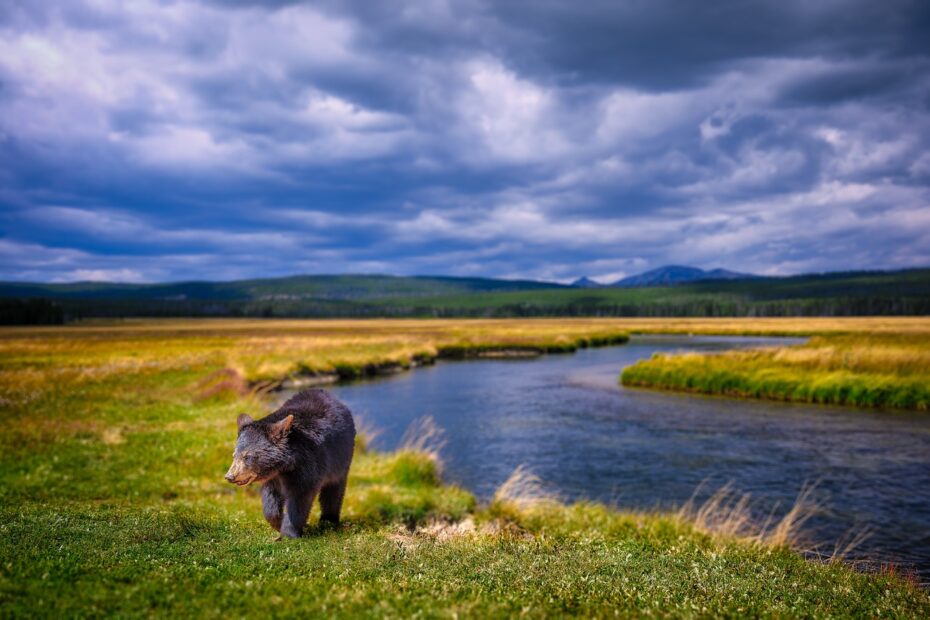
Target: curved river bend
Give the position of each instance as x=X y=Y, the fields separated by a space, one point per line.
x=566 y=418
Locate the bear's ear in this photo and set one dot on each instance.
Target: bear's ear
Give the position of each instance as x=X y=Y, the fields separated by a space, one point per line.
x=242 y=420
x=279 y=430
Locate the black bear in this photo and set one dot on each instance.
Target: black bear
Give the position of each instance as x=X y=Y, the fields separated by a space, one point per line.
x=302 y=450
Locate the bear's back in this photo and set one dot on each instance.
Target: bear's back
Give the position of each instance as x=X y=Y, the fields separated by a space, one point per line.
x=318 y=414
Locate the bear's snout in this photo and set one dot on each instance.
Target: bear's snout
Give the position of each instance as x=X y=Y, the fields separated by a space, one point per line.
x=238 y=474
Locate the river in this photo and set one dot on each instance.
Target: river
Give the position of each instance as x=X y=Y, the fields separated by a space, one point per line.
x=566 y=419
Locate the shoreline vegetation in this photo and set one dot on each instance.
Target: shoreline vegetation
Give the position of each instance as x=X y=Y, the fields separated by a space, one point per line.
x=890 y=371
x=307 y=376
x=115 y=438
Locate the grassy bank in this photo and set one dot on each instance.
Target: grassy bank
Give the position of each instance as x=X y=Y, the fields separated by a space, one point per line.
x=867 y=370
x=115 y=439
x=270 y=351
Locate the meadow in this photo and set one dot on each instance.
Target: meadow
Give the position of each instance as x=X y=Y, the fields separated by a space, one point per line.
x=116 y=436
x=867 y=369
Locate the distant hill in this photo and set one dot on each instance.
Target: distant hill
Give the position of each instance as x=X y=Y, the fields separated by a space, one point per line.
x=585 y=282
x=293 y=288
x=716 y=293
x=863 y=293
x=677 y=274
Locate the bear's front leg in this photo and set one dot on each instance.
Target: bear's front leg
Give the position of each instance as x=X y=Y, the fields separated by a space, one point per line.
x=297 y=513
x=272 y=505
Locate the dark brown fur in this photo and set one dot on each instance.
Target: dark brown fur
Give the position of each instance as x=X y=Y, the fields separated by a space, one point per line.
x=302 y=450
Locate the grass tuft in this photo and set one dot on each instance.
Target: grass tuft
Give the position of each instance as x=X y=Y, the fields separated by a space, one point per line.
x=365 y=434
x=424 y=436
x=523 y=489
x=728 y=513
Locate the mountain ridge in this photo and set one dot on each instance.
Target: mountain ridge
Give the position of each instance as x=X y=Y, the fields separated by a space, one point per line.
x=679 y=274
x=586 y=282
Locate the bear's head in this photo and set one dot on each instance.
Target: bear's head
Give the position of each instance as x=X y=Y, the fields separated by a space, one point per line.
x=261 y=450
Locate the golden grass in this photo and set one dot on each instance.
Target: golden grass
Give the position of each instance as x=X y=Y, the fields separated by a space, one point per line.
x=36 y=359
x=33 y=358
x=883 y=369
x=264 y=350
x=727 y=512
x=424 y=436
x=273 y=348
x=522 y=490
x=885 y=354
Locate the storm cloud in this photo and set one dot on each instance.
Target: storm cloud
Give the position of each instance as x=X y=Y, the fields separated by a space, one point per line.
x=151 y=141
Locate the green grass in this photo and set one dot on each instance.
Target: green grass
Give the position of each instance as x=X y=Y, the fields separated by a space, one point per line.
x=864 y=370
x=112 y=502
x=206 y=561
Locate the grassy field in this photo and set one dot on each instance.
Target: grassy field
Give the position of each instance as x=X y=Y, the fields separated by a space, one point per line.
x=115 y=439
x=872 y=369
x=271 y=350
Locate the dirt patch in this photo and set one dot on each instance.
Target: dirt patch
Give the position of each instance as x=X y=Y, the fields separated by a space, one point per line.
x=300 y=382
x=435 y=531
x=509 y=354
x=112 y=435
x=440 y=531
x=225 y=380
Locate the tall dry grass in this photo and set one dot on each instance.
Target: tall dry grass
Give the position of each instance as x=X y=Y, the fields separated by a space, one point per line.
x=425 y=437
x=522 y=490
x=729 y=513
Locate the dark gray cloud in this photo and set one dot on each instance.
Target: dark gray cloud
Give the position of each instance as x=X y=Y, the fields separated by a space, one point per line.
x=163 y=140
x=890 y=82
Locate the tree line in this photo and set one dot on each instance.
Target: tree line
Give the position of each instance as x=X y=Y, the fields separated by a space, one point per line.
x=50 y=312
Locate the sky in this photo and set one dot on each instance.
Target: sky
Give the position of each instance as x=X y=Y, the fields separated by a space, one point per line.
x=154 y=141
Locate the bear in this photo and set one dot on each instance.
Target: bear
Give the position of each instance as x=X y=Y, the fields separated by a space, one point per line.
x=302 y=450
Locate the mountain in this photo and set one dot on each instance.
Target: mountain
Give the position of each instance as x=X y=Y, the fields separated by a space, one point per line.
x=678 y=274
x=585 y=282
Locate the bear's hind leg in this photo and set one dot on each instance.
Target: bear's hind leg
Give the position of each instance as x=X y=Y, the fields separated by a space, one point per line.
x=296 y=513
x=331 y=497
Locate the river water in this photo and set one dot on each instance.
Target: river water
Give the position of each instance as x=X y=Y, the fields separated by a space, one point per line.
x=566 y=419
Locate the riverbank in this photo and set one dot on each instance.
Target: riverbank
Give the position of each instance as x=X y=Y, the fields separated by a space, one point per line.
x=885 y=370
x=112 y=500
